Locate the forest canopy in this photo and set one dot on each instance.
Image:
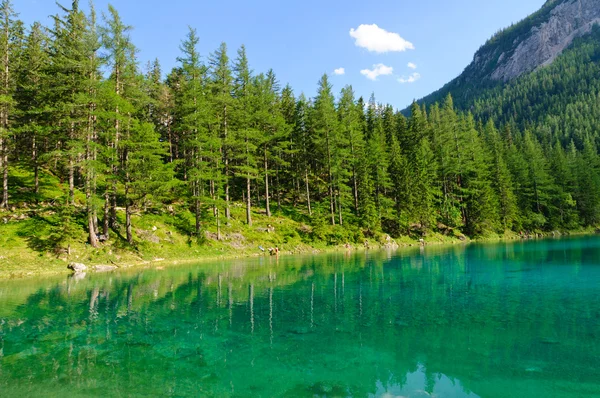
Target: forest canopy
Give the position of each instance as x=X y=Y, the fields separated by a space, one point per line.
x=213 y=133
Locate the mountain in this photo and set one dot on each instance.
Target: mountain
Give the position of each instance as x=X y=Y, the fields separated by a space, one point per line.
x=522 y=49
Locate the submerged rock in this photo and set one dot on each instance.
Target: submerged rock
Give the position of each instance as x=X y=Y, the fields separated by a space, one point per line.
x=77 y=267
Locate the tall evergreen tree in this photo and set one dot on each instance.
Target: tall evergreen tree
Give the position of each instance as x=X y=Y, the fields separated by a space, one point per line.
x=8 y=47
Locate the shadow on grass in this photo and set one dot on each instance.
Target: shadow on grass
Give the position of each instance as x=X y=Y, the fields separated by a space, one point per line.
x=295 y=214
x=37 y=234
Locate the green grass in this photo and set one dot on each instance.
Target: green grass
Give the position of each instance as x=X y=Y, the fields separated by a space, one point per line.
x=27 y=246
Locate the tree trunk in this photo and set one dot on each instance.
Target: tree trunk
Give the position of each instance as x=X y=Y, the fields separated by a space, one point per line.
x=267 y=206
x=71 y=181
x=226 y=159
x=128 y=209
x=93 y=238
x=248 y=202
x=170 y=133
x=307 y=192
x=5 y=179
x=128 y=220
x=278 y=190
x=106 y=222
x=4 y=144
x=248 y=185
x=4 y=167
x=34 y=157
x=341 y=219
x=218 y=225
x=113 y=206
x=354 y=180
x=197 y=209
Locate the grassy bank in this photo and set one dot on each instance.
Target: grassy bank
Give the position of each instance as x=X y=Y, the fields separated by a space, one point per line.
x=159 y=243
x=28 y=235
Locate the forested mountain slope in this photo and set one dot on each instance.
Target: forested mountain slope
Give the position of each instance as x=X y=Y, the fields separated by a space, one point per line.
x=527 y=46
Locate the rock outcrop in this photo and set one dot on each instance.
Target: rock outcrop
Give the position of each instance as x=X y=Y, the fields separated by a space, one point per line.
x=567 y=21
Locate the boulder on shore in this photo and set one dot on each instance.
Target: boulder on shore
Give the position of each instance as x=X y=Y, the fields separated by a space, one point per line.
x=77 y=267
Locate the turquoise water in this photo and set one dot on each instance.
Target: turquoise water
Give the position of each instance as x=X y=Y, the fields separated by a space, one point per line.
x=496 y=320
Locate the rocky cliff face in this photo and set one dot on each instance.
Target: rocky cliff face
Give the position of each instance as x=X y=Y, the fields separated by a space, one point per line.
x=544 y=42
x=524 y=47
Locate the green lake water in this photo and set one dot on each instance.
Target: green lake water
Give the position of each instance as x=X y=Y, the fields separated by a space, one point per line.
x=484 y=320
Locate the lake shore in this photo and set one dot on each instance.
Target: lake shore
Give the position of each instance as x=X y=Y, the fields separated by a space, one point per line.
x=45 y=265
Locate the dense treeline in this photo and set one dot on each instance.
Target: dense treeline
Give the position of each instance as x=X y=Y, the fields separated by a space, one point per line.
x=214 y=134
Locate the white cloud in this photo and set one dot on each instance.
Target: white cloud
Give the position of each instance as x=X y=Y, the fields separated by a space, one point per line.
x=378 y=70
x=339 y=71
x=412 y=65
x=410 y=79
x=379 y=40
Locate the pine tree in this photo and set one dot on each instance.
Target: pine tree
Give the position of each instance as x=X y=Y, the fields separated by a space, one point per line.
x=302 y=138
x=501 y=178
x=324 y=124
x=192 y=123
x=222 y=89
x=8 y=47
x=247 y=131
x=121 y=119
x=30 y=98
x=349 y=118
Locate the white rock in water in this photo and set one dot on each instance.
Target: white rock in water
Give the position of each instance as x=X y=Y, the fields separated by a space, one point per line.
x=77 y=267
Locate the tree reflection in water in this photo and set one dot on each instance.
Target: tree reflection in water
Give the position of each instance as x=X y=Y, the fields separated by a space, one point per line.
x=480 y=320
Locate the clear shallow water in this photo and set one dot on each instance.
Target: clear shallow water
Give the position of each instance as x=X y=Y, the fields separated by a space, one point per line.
x=511 y=319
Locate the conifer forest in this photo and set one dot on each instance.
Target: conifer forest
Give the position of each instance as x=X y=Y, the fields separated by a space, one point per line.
x=213 y=135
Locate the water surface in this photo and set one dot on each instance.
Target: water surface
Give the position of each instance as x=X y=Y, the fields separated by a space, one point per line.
x=495 y=320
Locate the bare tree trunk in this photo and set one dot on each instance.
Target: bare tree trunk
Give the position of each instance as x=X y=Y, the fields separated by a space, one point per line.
x=354 y=180
x=226 y=158
x=113 y=206
x=248 y=187
x=128 y=218
x=71 y=181
x=113 y=202
x=248 y=202
x=212 y=195
x=90 y=184
x=267 y=206
x=278 y=190
x=218 y=225
x=5 y=178
x=106 y=222
x=93 y=238
x=170 y=133
x=197 y=208
x=127 y=208
x=4 y=118
x=341 y=219
x=34 y=158
x=307 y=192
x=2 y=201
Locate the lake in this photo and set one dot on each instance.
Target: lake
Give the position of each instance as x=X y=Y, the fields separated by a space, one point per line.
x=483 y=320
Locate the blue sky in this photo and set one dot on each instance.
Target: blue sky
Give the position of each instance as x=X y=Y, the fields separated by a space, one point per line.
x=303 y=40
